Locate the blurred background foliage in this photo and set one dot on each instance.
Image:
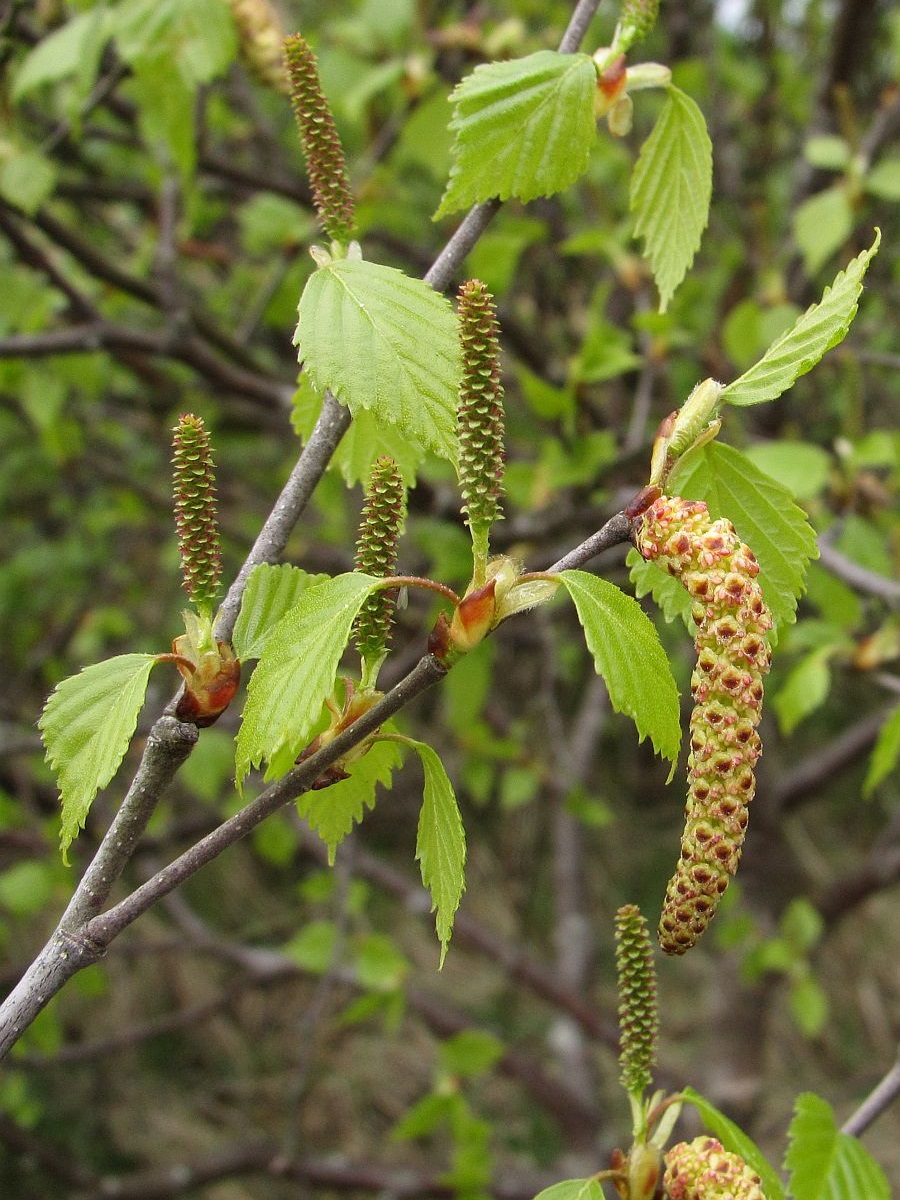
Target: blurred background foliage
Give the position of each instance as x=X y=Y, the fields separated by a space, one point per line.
x=279 y=1026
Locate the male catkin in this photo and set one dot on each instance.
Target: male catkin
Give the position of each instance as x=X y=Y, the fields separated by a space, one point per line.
x=720 y=574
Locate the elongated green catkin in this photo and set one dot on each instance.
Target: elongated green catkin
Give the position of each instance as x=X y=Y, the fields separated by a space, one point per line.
x=325 y=162
x=703 y=1170
x=638 y=1015
x=260 y=38
x=480 y=411
x=194 y=487
x=382 y=517
x=720 y=573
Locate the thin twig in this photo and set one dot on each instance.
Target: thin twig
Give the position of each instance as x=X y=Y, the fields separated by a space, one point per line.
x=878 y=1101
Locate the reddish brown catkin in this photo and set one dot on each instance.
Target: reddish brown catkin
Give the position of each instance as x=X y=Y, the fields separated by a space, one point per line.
x=720 y=574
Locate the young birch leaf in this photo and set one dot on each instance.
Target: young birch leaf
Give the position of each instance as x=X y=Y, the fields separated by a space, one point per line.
x=628 y=654
x=86 y=725
x=522 y=128
x=440 y=844
x=764 y=514
x=886 y=753
x=736 y=1141
x=367 y=439
x=671 y=187
x=384 y=342
x=333 y=811
x=270 y=592
x=821 y=327
x=826 y=1164
x=671 y=598
x=297 y=670
x=572 y=1189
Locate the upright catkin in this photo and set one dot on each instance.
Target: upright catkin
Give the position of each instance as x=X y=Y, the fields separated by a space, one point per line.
x=720 y=573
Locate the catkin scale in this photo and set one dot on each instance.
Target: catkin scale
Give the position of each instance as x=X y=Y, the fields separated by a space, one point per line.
x=720 y=573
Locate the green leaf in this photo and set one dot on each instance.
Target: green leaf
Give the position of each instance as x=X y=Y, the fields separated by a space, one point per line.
x=803 y=468
x=333 y=811
x=521 y=128
x=883 y=180
x=367 y=439
x=312 y=949
x=736 y=1141
x=385 y=343
x=628 y=654
x=86 y=725
x=822 y=224
x=27 y=178
x=821 y=327
x=270 y=592
x=826 y=1164
x=297 y=670
x=671 y=598
x=197 y=38
x=808 y=1005
x=64 y=52
x=886 y=753
x=572 y=1189
x=764 y=514
x=440 y=844
x=471 y=1053
x=671 y=188
x=805 y=689
x=828 y=152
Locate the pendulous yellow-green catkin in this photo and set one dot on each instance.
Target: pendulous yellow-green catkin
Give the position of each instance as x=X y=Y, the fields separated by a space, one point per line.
x=720 y=573
x=703 y=1170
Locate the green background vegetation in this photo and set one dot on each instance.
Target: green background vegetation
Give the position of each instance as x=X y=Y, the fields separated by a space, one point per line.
x=154 y=225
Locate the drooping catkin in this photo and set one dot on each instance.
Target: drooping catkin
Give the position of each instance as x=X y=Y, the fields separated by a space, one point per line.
x=260 y=38
x=703 y=1170
x=194 y=487
x=720 y=573
x=325 y=162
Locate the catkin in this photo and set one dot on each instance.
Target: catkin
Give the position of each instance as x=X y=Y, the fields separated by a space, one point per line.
x=720 y=573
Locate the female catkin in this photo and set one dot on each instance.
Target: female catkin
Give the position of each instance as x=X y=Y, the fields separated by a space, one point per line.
x=720 y=574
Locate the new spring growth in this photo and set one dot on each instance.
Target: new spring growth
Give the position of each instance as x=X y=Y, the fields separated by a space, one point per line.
x=480 y=418
x=382 y=517
x=325 y=161
x=195 y=511
x=689 y=427
x=635 y=23
x=210 y=671
x=638 y=1016
x=703 y=1170
x=261 y=40
x=720 y=574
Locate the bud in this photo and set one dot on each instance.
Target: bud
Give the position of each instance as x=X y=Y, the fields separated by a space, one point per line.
x=480 y=415
x=260 y=39
x=720 y=573
x=703 y=1170
x=638 y=1017
x=376 y=553
x=325 y=161
x=195 y=511
x=636 y=22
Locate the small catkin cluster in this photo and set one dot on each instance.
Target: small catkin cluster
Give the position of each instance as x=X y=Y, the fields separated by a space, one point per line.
x=480 y=411
x=637 y=19
x=382 y=517
x=325 y=162
x=194 y=486
x=260 y=39
x=703 y=1170
x=720 y=574
x=638 y=1015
